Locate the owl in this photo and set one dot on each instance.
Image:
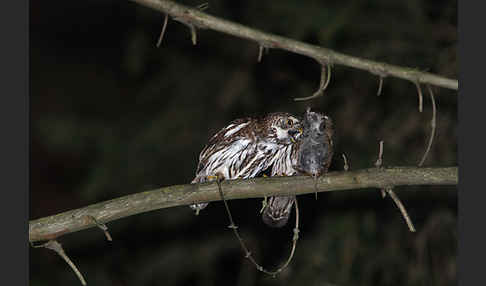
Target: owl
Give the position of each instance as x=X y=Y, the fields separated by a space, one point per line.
x=311 y=155
x=246 y=148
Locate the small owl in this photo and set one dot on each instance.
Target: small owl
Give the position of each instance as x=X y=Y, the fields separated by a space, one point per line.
x=315 y=147
x=246 y=148
x=311 y=155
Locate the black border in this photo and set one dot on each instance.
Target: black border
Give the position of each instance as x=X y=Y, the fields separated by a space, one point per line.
x=14 y=126
x=471 y=142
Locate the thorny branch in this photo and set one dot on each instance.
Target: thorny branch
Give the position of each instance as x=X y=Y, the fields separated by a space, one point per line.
x=54 y=226
x=248 y=254
x=198 y=19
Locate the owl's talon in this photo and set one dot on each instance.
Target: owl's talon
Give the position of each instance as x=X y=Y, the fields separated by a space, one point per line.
x=212 y=177
x=264 y=204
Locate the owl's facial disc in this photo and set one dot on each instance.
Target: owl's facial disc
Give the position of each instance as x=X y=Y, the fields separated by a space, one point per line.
x=288 y=129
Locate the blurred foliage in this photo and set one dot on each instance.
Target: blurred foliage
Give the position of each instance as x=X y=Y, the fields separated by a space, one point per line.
x=111 y=115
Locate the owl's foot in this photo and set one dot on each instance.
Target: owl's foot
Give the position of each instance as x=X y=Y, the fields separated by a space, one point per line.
x=264 y=204
x=213 y=177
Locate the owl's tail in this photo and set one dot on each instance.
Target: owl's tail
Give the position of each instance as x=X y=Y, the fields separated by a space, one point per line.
x=277 y=211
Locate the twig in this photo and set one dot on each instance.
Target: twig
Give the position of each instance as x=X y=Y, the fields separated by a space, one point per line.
x=56 y=246
x=102 y=226
x=402 y=209
x=200 y=19
x=420 y=96
x=324 y=82
x=163 y=30
x=248 y=254
x=54 y=226
x=346 y=165
x=380 y=86
x=432 y=125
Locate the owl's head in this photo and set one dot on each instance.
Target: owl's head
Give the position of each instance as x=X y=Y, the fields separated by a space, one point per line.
x=282 y=128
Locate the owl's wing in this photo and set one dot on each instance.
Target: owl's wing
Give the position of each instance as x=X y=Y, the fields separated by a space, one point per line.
x=285 y=161
x=228 y=151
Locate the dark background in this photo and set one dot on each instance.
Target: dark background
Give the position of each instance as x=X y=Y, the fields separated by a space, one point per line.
x=112 y=115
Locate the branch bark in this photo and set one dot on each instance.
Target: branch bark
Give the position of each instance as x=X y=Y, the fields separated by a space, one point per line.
x=51 y=227
x=202 y=20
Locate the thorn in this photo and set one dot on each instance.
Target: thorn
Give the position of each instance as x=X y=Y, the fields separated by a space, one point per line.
x=402 y=209
x=232 y=226
x=379 y=161
x=264 y=204
x=260 y=52
x=346 y=165
x=101 y=226
x=432 y=125
x=203 y=6
x=296 y=234
x=380 y=86
x=161 y=37
x=421 y=99
x=56 y=246
x=325 y=79
x=193 y=34
x=191 y=27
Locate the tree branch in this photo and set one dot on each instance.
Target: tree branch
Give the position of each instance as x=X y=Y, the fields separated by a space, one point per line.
x=51 y=227
x=202 y=20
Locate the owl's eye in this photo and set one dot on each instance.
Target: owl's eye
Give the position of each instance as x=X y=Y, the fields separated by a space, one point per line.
x=290 y=122
x=322 y=126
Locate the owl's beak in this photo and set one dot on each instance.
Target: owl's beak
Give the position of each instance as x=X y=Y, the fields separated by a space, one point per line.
x=293 y=134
